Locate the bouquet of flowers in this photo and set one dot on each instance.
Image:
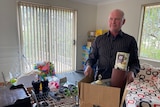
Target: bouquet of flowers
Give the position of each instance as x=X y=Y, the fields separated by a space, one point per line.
x=45 y=69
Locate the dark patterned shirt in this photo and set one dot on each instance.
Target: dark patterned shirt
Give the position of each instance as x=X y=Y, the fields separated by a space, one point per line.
x=104 y=50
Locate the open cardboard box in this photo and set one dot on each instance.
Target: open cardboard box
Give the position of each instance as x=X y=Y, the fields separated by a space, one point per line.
x=97 y=95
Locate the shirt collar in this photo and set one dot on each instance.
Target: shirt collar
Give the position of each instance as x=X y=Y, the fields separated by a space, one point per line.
x=119 y=34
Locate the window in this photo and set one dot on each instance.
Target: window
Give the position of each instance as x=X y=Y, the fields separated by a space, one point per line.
x=150 y=32
x=47 y=33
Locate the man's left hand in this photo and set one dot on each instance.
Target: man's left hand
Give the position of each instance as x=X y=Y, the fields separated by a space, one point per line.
x=130 y=77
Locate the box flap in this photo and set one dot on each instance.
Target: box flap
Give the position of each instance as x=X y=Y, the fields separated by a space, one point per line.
x=97 y=95
x=86 y=79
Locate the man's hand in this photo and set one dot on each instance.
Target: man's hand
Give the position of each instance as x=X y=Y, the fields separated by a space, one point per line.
x=88 y=71
x=130 y=77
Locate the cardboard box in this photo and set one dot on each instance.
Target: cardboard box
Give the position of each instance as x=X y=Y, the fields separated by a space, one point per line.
x=91 y=95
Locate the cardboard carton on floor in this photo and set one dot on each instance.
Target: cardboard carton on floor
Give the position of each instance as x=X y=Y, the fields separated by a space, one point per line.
x=91 y=95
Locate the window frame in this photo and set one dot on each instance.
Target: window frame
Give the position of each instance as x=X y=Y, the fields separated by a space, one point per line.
x=141 y=31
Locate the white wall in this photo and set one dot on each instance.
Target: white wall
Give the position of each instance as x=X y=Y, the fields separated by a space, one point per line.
x=132 y=10
x=9 y=30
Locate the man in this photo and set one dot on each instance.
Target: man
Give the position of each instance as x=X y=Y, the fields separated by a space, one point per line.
x=105 y=47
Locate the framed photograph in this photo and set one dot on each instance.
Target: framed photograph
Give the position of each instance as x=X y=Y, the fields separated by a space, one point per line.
x=121 y=60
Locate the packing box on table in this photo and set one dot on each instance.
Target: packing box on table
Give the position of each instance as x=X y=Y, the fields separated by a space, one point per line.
x=92 y=95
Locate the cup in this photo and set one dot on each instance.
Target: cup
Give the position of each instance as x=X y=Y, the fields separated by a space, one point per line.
x=45 y=87
x=36 y=86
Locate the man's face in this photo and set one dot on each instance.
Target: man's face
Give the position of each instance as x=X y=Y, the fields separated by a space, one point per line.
x=115 y=21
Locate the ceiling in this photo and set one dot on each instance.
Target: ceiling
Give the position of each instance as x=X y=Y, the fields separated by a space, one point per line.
x=96 y=2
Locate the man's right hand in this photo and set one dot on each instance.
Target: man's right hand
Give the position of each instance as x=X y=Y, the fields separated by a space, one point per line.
x=88 y=71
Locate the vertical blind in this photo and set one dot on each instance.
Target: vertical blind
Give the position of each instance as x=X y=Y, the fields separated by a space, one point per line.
x=47 y=33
